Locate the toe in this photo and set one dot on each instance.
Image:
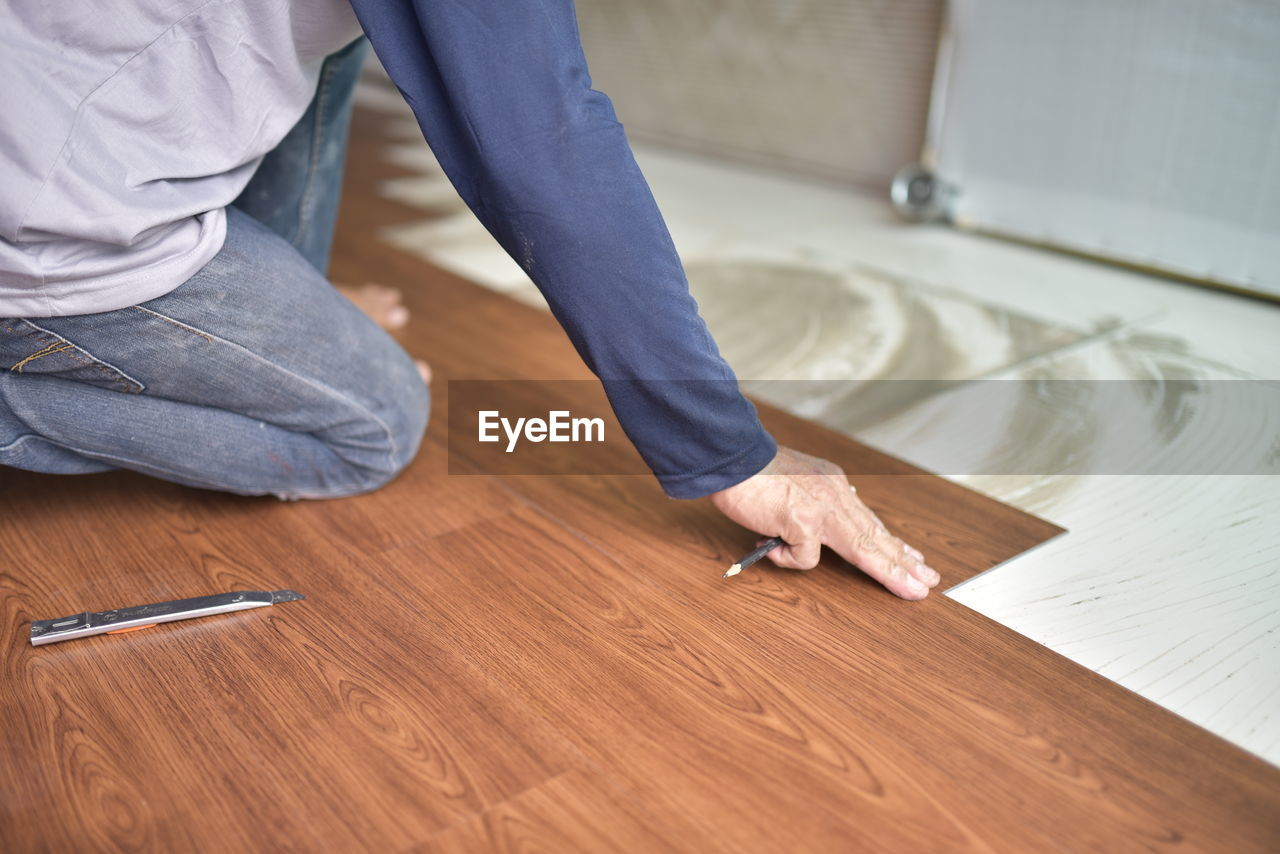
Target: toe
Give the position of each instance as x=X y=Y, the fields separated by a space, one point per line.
x=394 y=318
x=379 y=302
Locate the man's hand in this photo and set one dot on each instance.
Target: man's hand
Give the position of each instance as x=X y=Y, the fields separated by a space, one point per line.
x=809 y=503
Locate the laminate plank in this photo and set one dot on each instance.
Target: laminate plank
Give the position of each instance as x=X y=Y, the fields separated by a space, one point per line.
x=848 y=702
x=684 y=720
x=336 y=722
x=1054 y=709
x=575 y=812
x=105 y=522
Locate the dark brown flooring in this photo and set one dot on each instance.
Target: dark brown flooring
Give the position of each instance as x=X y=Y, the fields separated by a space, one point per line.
x=554 y=664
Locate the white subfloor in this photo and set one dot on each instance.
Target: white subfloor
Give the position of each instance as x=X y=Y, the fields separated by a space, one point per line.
x=1166 y=583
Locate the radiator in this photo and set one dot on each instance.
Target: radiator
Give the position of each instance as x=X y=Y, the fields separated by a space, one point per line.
x=1141 y=131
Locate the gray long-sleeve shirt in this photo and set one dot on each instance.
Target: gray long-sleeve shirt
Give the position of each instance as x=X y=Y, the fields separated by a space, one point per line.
x=127 y=127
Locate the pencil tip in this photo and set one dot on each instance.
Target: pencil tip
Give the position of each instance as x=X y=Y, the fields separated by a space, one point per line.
x=733 y=570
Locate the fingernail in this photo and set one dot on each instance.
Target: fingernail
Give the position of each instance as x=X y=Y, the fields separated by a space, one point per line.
x=931 y=575
x=916 y=584
x=915 y=554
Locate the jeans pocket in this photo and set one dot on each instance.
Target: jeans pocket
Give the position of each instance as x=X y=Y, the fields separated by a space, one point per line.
x=27 y=348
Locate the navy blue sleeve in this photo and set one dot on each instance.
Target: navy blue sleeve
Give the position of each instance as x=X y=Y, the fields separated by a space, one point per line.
x=501 y=91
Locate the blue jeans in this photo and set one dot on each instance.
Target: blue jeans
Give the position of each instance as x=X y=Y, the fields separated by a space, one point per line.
x=254 y=376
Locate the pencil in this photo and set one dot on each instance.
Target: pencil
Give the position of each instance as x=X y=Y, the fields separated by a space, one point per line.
x=759 y=552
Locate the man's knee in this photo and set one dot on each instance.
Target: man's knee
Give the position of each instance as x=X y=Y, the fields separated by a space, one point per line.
x=410 y=410
x=388 y=446
x=371 y=442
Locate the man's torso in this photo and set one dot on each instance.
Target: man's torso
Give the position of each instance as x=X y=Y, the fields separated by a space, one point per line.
x=127 y=127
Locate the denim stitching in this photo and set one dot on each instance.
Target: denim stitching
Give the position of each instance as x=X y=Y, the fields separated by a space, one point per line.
x=87 y=359
x=177 y=323
x=46 y=351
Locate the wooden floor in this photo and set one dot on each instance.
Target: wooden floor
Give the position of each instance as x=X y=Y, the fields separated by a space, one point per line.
x=534 y=663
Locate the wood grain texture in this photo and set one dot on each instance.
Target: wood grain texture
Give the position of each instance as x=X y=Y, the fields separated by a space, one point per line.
x=575 y=813
x=195 y=739
x=554 y=664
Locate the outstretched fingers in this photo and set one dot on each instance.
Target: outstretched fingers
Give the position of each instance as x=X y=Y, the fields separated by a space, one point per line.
x=858 y=536
x=808 y=503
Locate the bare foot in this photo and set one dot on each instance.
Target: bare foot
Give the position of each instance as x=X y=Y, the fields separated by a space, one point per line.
x=380 y=302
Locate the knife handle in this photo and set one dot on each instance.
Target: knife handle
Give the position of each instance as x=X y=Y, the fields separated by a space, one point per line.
x=142 y=616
